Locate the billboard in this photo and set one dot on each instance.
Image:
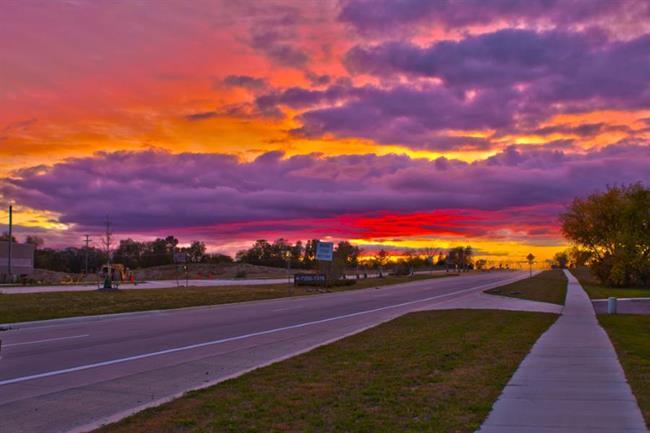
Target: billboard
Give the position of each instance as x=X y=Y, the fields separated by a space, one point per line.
x=324 y=251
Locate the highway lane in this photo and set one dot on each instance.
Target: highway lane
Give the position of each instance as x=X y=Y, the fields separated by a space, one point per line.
x=70 y=375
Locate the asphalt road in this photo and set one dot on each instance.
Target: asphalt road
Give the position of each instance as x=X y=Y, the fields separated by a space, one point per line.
x=75 y=374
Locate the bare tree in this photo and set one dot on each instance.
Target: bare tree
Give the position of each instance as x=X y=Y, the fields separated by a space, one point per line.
x=429 y=253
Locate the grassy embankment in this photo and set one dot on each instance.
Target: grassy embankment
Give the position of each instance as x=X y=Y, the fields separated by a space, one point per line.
x=430 y=371
x=597 y=290
x=629 y=334
x=40 y=306
x=547 y=286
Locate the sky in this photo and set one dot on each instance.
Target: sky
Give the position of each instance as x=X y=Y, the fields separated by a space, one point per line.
x=396 y=124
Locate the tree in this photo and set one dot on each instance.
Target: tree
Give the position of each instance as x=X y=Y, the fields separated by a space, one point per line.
x=129 y=253
x=429 y=253
x=309 y=258
x=460 y=257
x=196 y=251
x=614 y=227
x=560 y=260
x=37 y=241
x=5 y=237
x=347 y=253
x=467 y=257
x=381 y=258
x=578 y=257
x=280 y=253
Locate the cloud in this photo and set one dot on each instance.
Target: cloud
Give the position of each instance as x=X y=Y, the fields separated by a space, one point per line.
x=275 y=34
x=415 y=116
x=245 y=81
x=376 y=17
x=551 y=66
x=507 y=81
x=158 y=191
x=316 y=79
x=203 y=115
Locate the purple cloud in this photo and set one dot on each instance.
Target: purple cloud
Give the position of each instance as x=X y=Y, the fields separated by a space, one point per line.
x=246 y=82
x=412 y=116
x=155 y=190
x=552 y=66
x=274 y=33
x=504 y=57
x=508 y=81
x=381 y=16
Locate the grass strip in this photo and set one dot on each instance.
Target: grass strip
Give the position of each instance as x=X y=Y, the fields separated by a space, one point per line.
x=547 y=286
x=597 y=290
x=437 y=371
x=629 y=334
x=53 y=305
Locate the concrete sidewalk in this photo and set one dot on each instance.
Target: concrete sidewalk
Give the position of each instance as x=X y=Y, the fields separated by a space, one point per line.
x=570 y=382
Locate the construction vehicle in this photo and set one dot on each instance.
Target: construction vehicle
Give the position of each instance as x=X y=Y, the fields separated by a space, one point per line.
x=117 y=272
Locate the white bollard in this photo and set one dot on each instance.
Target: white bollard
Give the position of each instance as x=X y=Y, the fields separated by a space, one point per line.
x=612 y=304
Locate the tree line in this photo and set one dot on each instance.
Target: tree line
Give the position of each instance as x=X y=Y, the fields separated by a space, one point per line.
x=279 y=253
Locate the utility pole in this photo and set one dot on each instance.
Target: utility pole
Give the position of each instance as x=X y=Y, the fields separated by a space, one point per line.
x=108 y=281
x=86 y=258
x=288 y=266
x=11 y=211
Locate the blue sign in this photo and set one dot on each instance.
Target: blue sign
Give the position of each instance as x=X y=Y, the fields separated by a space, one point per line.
x=324 y=251
x=309 y=279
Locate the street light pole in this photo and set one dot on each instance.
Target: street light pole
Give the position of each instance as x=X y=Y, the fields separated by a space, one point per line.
x=108 y=281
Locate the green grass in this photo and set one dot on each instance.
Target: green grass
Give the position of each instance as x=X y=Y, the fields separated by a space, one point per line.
x=40 y=306
x=629 y=334
x=424 y=372
x=597 y=290
x=547 y=286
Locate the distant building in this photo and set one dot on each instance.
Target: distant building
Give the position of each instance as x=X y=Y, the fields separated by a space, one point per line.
x=22 y=259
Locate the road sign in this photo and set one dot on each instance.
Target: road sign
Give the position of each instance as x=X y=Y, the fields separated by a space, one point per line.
x=180 y=257
x=324 y=251
x=309 y=279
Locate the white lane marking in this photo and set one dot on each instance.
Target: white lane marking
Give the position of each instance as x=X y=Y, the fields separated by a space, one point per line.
x=46 y=340
x=241 y=337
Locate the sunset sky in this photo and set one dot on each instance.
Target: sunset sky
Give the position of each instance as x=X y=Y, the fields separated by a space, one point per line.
x=401 y=124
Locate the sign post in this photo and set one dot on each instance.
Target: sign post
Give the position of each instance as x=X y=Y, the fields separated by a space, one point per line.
x=180 y=258
x=11 y=235
x=325 y=253
x=531 y=259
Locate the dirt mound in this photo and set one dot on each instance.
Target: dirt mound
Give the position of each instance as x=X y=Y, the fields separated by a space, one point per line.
x=208 y=271
x=44 y=276
x=196 y=271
